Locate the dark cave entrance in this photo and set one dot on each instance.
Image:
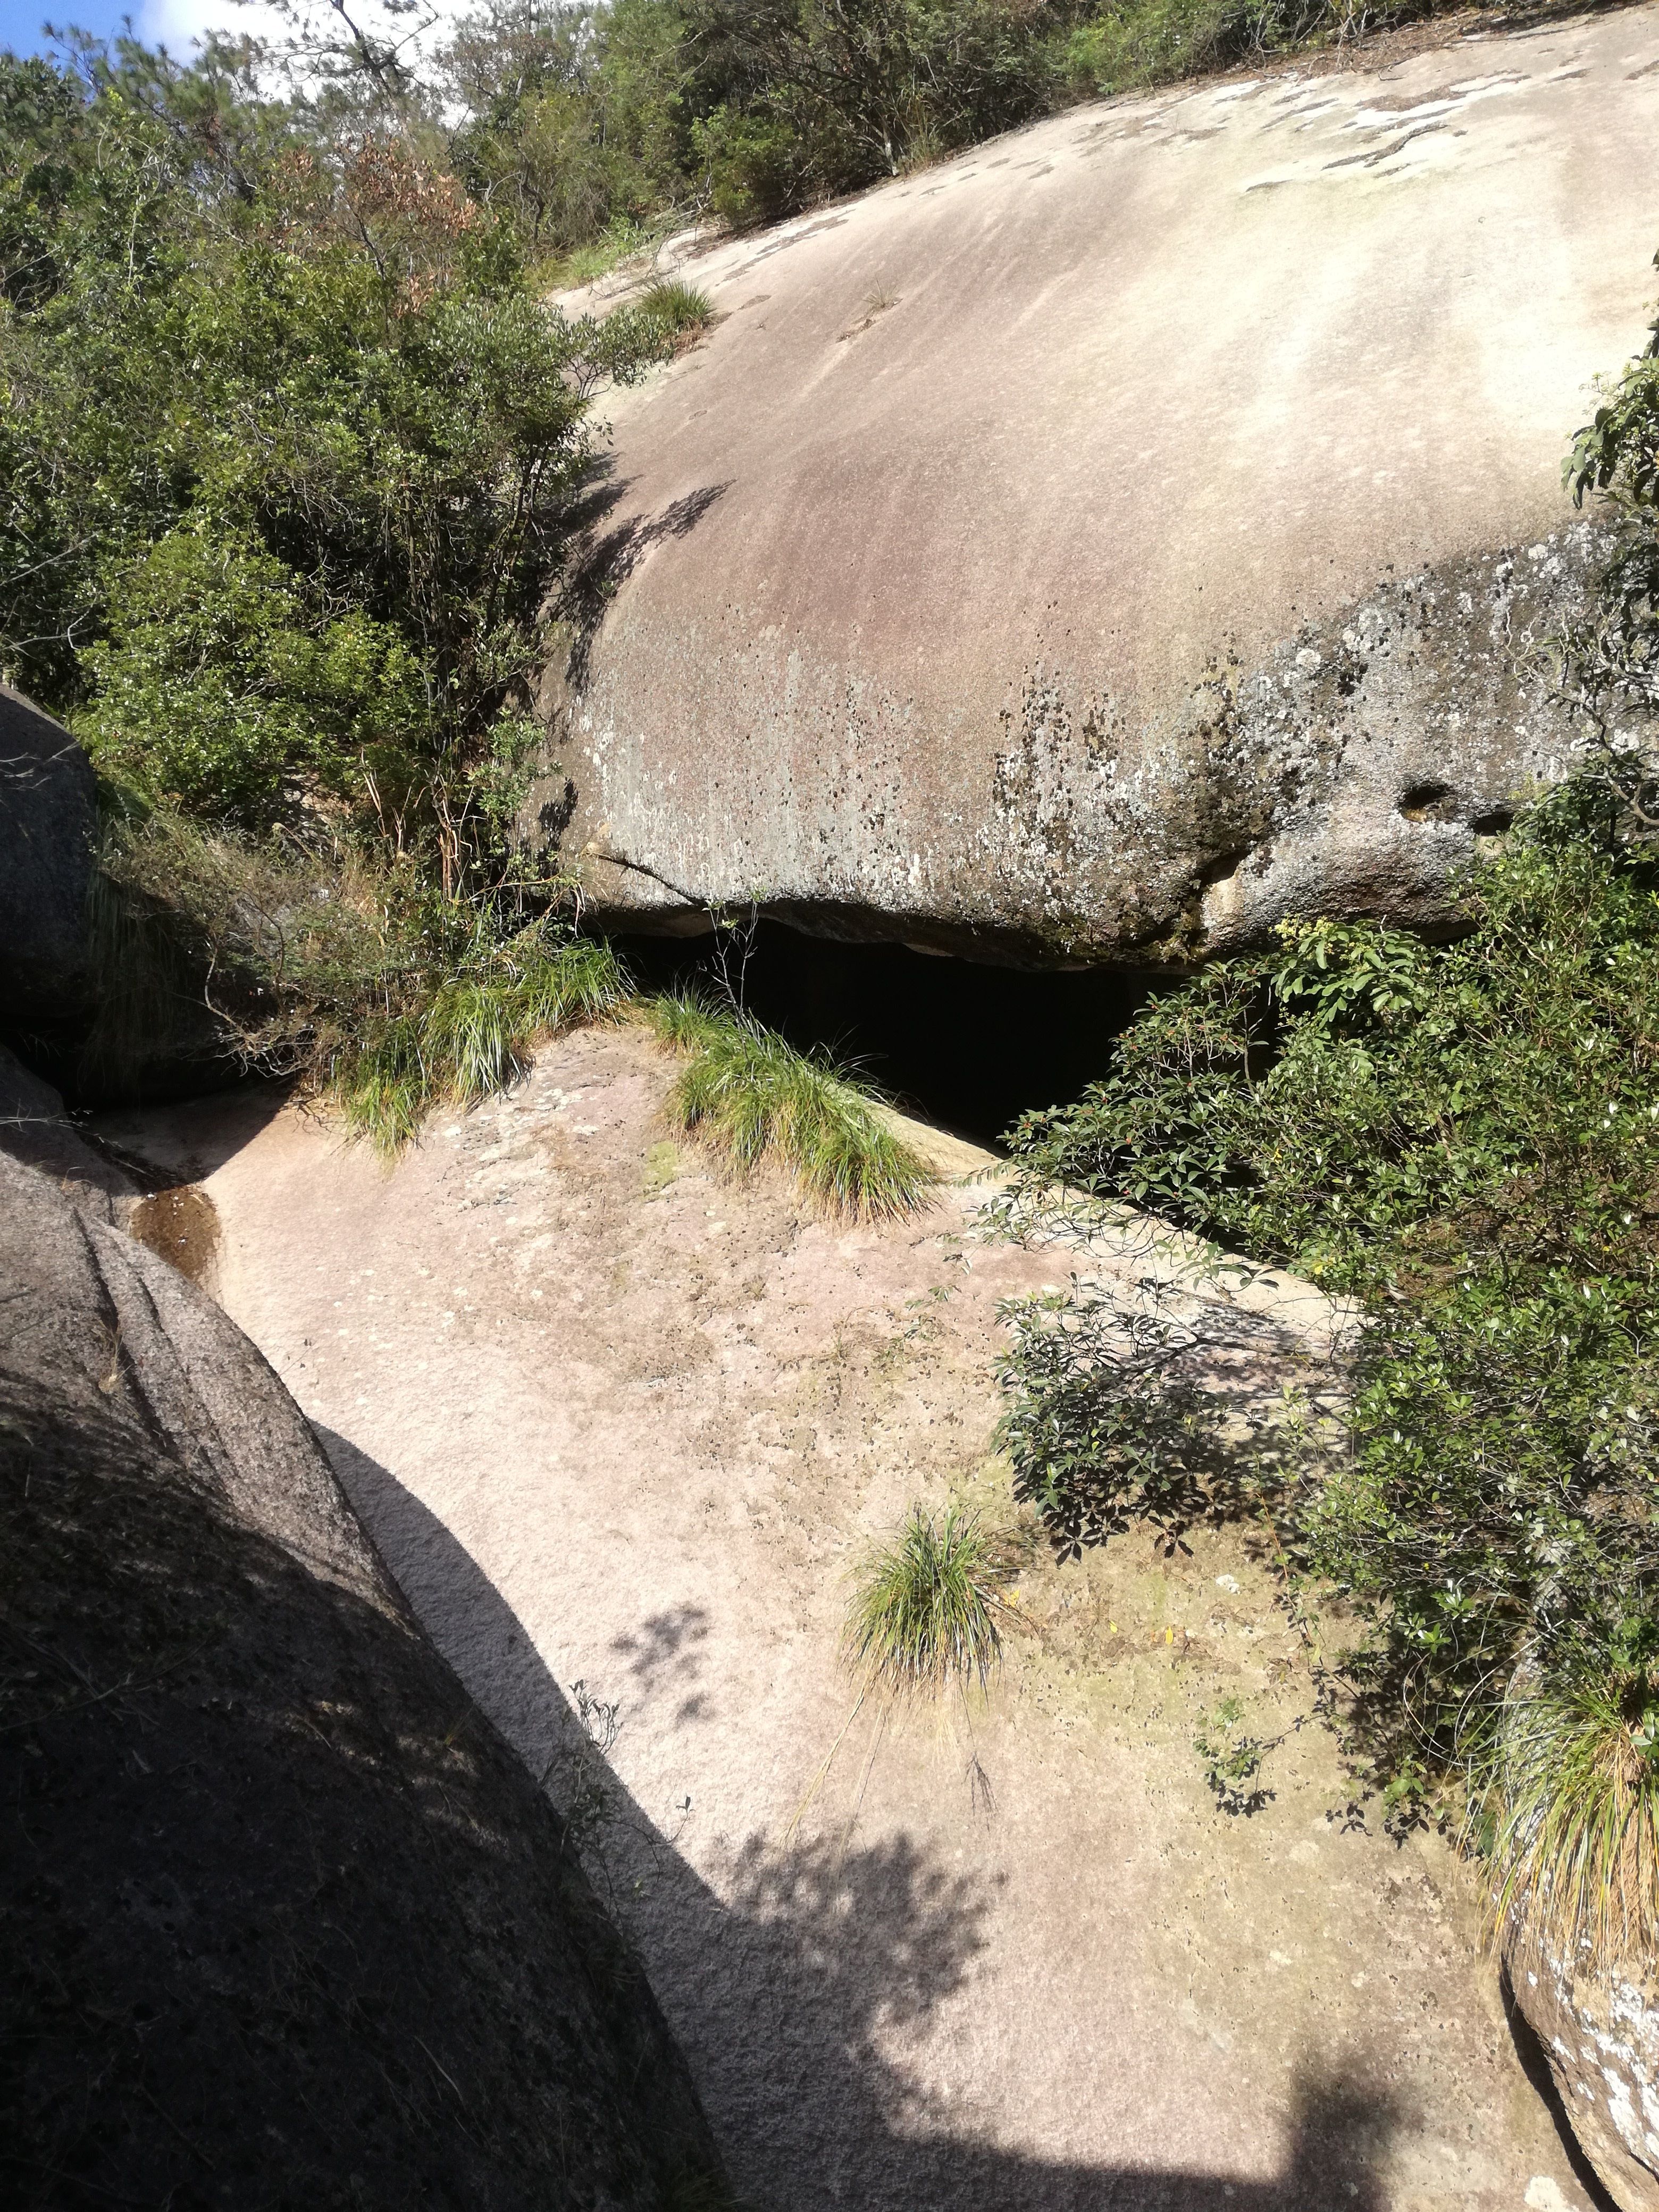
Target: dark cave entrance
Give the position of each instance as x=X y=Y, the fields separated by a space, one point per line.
x=968 y=1047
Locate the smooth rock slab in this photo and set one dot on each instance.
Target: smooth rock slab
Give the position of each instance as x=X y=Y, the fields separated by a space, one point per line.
x=1130 y=533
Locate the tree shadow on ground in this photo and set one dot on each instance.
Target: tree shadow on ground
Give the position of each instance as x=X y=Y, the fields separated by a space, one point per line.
x=783 y=1994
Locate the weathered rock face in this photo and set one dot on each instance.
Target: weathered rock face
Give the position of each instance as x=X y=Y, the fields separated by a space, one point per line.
x=1130 y=533
x=284 y=1920
x=1601 y=2036
x=47 y=823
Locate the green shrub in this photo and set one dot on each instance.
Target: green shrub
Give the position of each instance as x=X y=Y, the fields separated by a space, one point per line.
x=663 y=321
x=1465 y=1138
x=1108 y=1424
x=926 y=1609
x=751 y=1097
x=291 y=459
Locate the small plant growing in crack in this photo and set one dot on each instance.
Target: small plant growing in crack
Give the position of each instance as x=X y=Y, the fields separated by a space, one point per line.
x=579 y=1780
x=599 y=1717
x=1232 y=1759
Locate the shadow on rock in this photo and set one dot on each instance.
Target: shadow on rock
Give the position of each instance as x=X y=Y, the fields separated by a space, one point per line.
x=782 y=1993
x=285 y=1923
x=609 y=560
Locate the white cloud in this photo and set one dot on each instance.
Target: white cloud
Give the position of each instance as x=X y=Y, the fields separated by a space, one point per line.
x=178 y=24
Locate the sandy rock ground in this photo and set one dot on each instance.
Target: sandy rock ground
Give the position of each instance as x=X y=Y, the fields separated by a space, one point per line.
x=621 y=1429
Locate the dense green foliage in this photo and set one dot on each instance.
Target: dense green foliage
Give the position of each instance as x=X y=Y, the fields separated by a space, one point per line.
x=751 y=1097
x=587 y=128
x=1465 y=1138
x=788 y=100
x=290 y=461
x=289 y=457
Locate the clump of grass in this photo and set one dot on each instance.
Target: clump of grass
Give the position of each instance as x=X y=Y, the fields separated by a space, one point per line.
x=1575 y=1838
x=677 y=309
x=664 y=320
x=751 y=1097
x=926 y=1611
x=325 y=963
x=472 y=1038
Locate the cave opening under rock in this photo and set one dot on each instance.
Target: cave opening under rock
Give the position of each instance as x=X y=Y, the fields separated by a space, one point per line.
x=967 y=1046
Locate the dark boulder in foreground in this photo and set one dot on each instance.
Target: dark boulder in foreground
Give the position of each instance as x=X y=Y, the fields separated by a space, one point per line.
x=284 y=1921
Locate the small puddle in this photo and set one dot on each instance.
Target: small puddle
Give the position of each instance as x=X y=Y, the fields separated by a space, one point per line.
x=181 y=1225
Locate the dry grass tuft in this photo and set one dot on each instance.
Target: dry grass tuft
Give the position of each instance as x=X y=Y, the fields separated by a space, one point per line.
x=1576 y=1841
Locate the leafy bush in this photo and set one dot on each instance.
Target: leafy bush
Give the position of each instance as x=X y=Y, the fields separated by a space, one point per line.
x=1111 y=1421
x=751 y=1097
x=926 y=1609
x=290 y=460
x=1465 y=1139
x=663 y=321
x=291 y=457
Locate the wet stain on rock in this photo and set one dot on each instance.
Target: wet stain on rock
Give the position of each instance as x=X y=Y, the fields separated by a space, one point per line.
x=181 y=1225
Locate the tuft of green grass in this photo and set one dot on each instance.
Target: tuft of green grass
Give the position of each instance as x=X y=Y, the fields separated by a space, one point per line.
x=663 y=321
x=677 y=309
x=472 y=1038
x=1575 y=1841
x=327 y=965
x=749 y=1095
x=925 y=1613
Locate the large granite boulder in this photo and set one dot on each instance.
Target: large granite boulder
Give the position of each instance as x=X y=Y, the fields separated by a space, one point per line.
x=283 y=1921
x=1599 y=2029
x=1129 y=532
x=48 y=827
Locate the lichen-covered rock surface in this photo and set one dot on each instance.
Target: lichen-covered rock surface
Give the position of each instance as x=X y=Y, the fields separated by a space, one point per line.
x=283 y=1921
x=1599 y=2031
x=1129 y=532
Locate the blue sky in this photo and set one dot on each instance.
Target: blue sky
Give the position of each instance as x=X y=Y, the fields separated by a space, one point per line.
x=20 y=20
x=169 y=20
x=173 y=23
